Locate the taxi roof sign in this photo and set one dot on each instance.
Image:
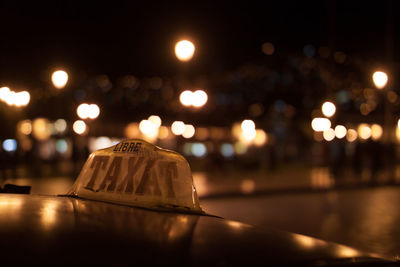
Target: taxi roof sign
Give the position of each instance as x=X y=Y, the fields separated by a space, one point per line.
x=136 y=173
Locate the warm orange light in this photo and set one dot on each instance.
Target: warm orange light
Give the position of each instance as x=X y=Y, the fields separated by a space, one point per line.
x=364 y=131
x=86 y=111
x=94 y=111
x=17 y=99
x=59 y=79
x=41 y=129
x=4 y=91
x=22 y=99
x=24 y=127
x=148 y=128
x=83 y=111
x=268 y=48
x=248 y=131
x=340 y=131
x=178 y=127
x=240 y=148
x=199 y=98
x=260 y=138
x=320 y=124
x=132 y=130
x=186 y=98
x=247 y=186
x=329 y=134
x=79 y=127
x=156 y=120
x=376 y=132
x=189 y=131
x=380 y=79
x=196 y=99
x=328 y=109
x=163 y=132
x=247 y=125
x=351 y=135
x=184 y=50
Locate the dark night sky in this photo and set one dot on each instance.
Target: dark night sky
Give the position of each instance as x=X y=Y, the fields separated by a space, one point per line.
x=127 y=37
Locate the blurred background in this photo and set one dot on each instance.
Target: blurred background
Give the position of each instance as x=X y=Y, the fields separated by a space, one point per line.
x=273 y=97
x=299 y=91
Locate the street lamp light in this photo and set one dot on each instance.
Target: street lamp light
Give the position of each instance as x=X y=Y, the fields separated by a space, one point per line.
x=328 y=109
x=195 y=99
x=86 y=111
x=380 y=79
x=184 y=50
x=59 y=79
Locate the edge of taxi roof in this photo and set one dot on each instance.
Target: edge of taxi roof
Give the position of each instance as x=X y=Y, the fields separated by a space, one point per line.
x=180 y=210
x=136 y=173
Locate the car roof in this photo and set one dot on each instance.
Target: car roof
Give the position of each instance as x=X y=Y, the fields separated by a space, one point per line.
x=51 y=230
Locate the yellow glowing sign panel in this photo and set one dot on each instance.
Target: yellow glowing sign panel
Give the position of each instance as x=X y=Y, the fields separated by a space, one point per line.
x=137 y=173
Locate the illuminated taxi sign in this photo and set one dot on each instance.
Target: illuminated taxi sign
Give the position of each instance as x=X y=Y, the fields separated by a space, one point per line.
x=137 y=173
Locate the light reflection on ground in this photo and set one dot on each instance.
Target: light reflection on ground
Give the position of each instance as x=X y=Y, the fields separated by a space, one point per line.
x=364 y=218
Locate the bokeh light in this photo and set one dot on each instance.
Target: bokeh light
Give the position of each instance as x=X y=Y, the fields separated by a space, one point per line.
x=10 y=145
x=156 y=120
x=268 y=48
x=184 y=50
x=247 y=186
x=59 y=79
x=79 y=127
x=227 y=150
x=178 y=127
x=320 y=124
x=10 y=98
x=260 y=138
x=163 y=132
x=186 y=98
x=60 y=125
x=24 y=127
x=202 y=133
x=17 y=99
x=328 y=109
x=41 y=129
x=4 y=91
x=88 y=111
x=132 y=130
x=398 y=134
x=195 y=99
x=364 y=131
x=351 y=135
x=380 y=79
x=83 y=111
x=329 y=134
x=246 y=132
x=147 y=127
x=376 y=132
x=199 y=98
x=199 y=150
x=240 y=148
x=94 y=111
x=100 y=143
x=61 y=146
x=247 y=125
x=189 y=131
x=340 y=131
x=22 y=99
